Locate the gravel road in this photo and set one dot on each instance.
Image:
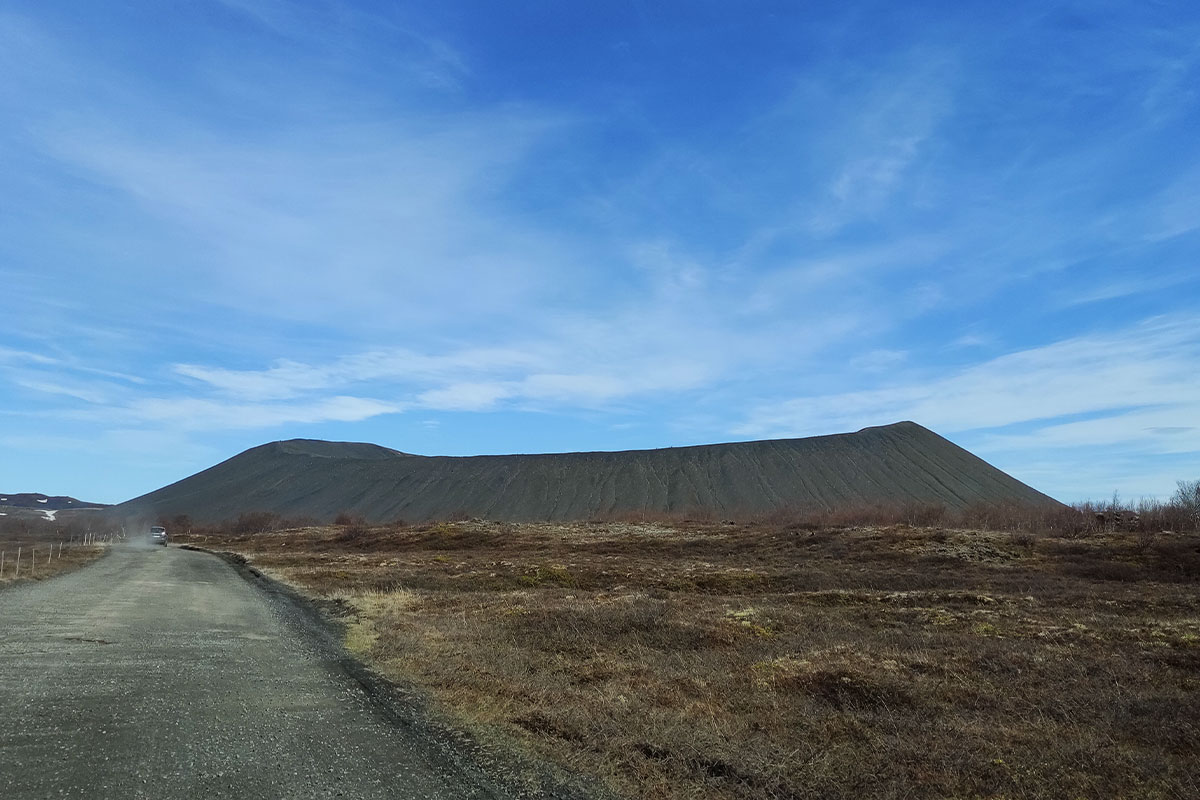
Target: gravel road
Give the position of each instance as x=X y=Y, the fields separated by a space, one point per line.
x=162 y=673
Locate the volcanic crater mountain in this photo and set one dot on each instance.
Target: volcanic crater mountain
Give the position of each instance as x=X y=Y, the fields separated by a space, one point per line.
x=891 y=464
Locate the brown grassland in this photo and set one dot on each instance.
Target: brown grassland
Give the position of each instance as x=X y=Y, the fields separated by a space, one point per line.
x=45 y=549
x=777 y=659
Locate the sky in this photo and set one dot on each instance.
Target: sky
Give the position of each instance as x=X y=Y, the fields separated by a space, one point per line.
x=462 y=228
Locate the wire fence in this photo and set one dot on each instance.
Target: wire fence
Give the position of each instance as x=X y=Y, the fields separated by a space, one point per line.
x=19 y=559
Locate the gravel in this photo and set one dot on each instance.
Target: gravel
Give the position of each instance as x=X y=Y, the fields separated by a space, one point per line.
x=159 y=672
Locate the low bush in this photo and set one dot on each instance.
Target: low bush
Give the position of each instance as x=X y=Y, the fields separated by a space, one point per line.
x=759 y=661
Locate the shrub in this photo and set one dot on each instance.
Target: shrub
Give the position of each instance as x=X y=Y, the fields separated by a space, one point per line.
x=256 y=522
x=1187 y=500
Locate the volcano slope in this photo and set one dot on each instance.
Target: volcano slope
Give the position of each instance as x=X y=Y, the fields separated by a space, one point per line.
x=889 y=465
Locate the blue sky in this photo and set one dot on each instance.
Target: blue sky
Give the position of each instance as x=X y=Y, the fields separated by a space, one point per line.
x=459 y=228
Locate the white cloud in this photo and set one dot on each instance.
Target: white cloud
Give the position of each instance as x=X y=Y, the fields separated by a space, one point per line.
x=1076 y=418
x=580 y=363
x=1126 y=287
x=375 y=223
x=565 y=390
x=868 y=179
x=62 y=376
x=288 y=379
x=1152 y=364
x=203 y=414
x=465 y=396
x=1163 y=430
x=9 y=356
x=79 y=392
x=882 y=138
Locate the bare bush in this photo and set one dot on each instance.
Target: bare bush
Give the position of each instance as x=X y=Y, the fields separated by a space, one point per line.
x=1187 y=500
x=257 y=522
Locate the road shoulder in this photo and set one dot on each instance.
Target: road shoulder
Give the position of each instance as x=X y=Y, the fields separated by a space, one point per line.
x=490 y=761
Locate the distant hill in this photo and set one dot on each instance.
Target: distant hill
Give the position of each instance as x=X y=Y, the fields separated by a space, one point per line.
x=897 y=463
x=43 y=502
x=31 y=505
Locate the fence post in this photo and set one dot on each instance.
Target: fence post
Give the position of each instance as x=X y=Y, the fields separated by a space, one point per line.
x=32 y=561
x=1 y=563
x=18 y=572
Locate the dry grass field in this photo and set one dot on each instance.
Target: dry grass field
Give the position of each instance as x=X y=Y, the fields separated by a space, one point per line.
x=776 y=660
x=33 y=550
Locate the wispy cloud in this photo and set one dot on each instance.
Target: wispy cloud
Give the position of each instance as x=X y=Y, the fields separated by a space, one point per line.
x=9 y=355
x=424 y=58
x=287 y=379
x=79 y=392
x=1163 y=430
x=1177 y=208
x=893 y=123
x=541 y=375
x=389 y=218
x=183 y=413
x=571 y=390
x=1117 y=375
x=1124 y=287
x=316 y=218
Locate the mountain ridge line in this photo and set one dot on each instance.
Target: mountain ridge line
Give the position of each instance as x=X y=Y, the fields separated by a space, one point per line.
x=891 y=464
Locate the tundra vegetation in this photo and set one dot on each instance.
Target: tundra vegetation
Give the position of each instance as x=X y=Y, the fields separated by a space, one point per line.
x=876 y=652
x=33 y=548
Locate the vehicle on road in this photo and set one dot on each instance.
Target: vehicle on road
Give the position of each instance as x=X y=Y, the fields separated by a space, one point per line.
x=158 y=535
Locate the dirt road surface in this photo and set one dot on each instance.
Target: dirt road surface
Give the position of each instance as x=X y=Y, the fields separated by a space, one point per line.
x=162 y=673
